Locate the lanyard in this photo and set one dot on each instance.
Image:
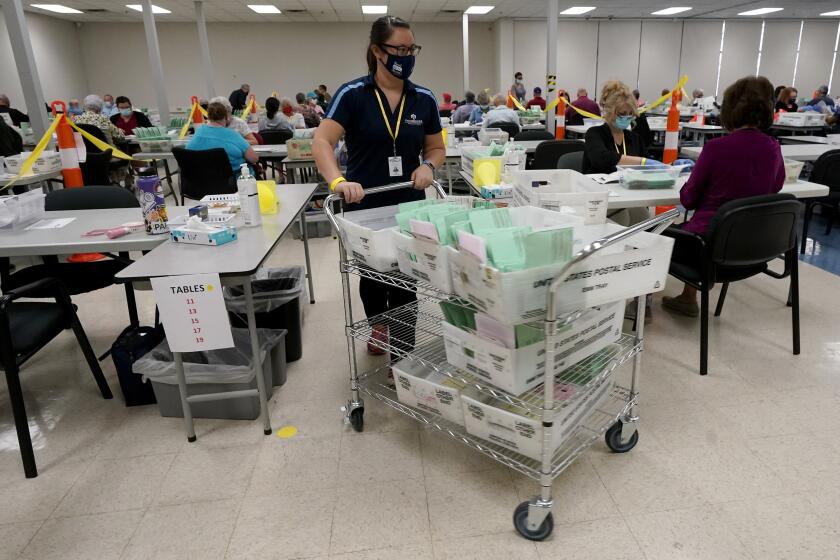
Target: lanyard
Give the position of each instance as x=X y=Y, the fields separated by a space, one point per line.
x=393 y=133
x=623 y=144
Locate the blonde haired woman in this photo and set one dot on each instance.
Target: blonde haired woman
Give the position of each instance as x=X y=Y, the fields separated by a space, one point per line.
x=613 y=143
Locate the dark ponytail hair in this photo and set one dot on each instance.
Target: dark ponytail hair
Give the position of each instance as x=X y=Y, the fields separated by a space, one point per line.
x=272 y=105
x=380 y=32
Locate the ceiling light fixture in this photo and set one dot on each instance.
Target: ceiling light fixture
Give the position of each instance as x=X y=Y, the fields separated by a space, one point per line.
x=834 y=13
x=670 y=11
x=265 y=8
x=374 y=9
x=760 y=11
x=576 y=10
x=155 y=9
x=57 y=8
x=478 y=10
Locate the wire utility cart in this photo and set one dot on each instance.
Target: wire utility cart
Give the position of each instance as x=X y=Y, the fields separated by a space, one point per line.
x=599 y=407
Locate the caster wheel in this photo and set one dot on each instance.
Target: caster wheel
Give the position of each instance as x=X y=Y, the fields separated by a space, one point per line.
x=520 y=522
x=357 y=419
x=613 y=439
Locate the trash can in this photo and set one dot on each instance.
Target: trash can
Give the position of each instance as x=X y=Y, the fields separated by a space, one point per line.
x=215 y=371
x=277 y=304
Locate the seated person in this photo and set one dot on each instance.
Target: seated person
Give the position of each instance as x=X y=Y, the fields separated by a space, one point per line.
x=310 y=117
x=274 y=119
x=447 y=104
x=481 y=107
x=787 y=100
x=500 y=113
x=10 y=141
x=93 y=115
x=74 y=109
x=537 y=100
x=746 y=162
x=217 y=133
x=127 y=119
x=16 y=116
x=288 y=110
x=236 y=123
x=462 y=113
x=613 y=142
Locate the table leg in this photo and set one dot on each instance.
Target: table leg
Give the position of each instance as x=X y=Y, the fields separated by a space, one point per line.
x=182 y=389
x=130 y=300
x=305 y=235
x=255 y=356
x=449 y=176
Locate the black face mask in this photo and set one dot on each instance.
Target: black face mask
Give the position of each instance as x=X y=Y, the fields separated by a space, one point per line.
x=399 y=66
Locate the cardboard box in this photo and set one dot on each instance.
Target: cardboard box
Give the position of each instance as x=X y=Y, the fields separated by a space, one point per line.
x=518 y=370
x=368 y=236
x=423 y=259
x=520 y=431
x=299 y=148
x=567 y=191
x=635 y=267
x=421 y=387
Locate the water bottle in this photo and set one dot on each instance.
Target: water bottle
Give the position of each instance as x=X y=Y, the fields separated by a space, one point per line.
x=152 y=202
x=249 y=200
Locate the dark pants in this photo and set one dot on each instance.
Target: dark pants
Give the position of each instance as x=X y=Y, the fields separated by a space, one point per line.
x=377 y=298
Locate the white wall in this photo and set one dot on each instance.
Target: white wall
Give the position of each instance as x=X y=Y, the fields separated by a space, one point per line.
x=779 y=53
x=659 y=64
x=815 y=55
x=55 y=45
x=286 y=58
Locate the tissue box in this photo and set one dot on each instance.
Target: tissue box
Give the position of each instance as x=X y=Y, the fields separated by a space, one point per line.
x=422 y=388
x=216 y=237
x=496 y=191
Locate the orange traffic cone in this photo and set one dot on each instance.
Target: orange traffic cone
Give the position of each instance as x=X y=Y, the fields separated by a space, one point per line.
x=560 y=119
x=663 y=209
x=67 y=148
x=510 y=99
x=196 y=116
x=672 y=131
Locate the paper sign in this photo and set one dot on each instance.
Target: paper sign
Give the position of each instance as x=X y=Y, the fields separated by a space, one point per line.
x=193 y=312
x=81 y=148
x=55 y=223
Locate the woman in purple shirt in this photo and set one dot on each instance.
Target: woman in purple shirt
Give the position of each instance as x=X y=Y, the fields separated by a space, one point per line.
x=746 y=162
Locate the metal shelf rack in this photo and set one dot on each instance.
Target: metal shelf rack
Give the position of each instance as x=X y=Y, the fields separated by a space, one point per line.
x=415 y=332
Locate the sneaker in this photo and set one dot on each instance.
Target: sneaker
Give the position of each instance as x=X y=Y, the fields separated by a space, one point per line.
x=689 y=309
x=379 y=335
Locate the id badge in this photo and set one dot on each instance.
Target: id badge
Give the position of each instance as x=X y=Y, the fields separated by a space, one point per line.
x=395 y=166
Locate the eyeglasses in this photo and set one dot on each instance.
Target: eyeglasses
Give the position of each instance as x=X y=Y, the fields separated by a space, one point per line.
x=413 y=50
x=625 y=114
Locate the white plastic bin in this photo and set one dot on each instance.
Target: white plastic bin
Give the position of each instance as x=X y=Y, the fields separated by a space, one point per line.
x=793 y=169
x=368 y=236
x=420 y=387
x=638 y=267
x=566 y=191
x=20 y=210
x=519 y=369
x=424 y=260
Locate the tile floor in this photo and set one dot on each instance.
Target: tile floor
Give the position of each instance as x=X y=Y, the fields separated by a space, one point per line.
x=741 y=464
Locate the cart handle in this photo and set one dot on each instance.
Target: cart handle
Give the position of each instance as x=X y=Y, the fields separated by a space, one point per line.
x=657 y=224
x=333 y=197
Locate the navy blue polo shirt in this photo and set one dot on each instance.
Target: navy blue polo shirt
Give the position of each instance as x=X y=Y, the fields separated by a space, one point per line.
x=369 y=145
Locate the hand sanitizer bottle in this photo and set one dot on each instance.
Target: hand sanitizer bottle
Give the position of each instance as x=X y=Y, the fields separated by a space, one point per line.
x=249 y=200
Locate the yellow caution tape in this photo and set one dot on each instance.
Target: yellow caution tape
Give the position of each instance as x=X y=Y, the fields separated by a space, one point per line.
x=665 y=97
x=186 y=126
x=248 y=108
x=116 y=152
x=516 y=103
x=42 y=143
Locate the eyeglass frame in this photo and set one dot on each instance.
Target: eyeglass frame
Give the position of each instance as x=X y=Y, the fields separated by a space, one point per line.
x=413 y=50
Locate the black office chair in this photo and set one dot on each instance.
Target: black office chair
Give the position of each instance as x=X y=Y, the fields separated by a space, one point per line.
x=826 y=171
x=275 y=137
x=204 y=172
x=642 y=129
x=511 y=128
x=78 y=277
x=743 y=237
x=445 y=112
x=571 y=160
x=573 y=118
x=25 y=328
x=530 y=135
x=114 y=163
x=548 y=152
x=95 y=168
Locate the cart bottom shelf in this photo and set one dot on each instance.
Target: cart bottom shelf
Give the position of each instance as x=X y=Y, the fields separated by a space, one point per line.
x=594 y=425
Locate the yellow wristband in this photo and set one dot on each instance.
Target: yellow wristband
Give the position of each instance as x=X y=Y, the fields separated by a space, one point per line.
x=336 y=181
x=644 y=162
